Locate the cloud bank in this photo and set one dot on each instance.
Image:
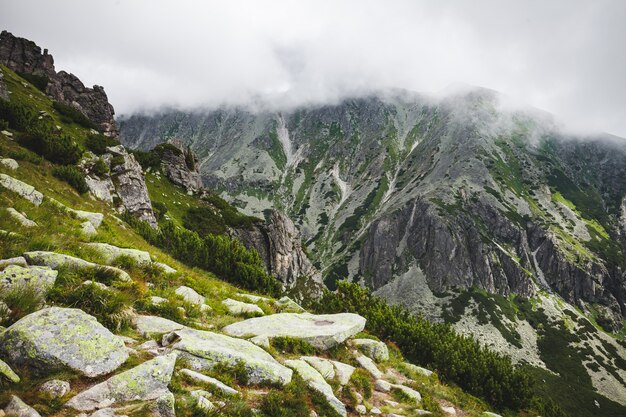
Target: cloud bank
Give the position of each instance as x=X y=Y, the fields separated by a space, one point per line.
x=564 y=56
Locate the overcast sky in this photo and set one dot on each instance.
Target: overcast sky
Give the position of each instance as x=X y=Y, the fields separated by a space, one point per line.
x=567 y=57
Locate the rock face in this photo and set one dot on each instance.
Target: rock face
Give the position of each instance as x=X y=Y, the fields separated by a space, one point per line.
x=204 y=350
x=278 y=242
x=55 y=339
x=181 y=166
x=144 y=382
x=322 y=331
x=22 y=55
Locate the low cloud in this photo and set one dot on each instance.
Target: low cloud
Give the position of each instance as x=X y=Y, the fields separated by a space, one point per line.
x=566 y=57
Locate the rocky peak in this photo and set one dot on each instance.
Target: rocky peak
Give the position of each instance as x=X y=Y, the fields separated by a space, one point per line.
x=24 y=56
x=181 y=166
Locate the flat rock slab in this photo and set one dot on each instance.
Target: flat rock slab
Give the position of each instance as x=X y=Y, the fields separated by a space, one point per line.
x=39 y=278
x=372 y=348
x=149 y=325
x=21 y=218
x=316 y=382
x=21 y=188
x=56 y=339
x=190 y=295
x=144 y=382
x=165 y=268
x=58 y=260
x=321 y=331
x=205 y=349
x=369 y=365
x=207 y=380
x=110 y=253
x=237 y=308
x=323 y=366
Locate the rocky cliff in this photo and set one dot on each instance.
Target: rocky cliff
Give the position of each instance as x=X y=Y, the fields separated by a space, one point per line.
x=180 y=166
x=24 y=56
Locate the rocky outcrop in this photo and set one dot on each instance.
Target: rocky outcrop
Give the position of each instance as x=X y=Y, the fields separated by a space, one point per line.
x=22 y=189
x=110 y=253
x=25 y=56
x=279 y=244
x=372 y=348
x=322 y=331
x=4 y=91
x=181 y=166
x=316 y=382
x=62 y=339
x=237 y=308
x=38 y=278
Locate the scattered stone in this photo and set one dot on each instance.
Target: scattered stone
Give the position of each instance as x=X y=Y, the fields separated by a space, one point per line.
x=490 y=414
x=110 y=253
x=24 y=190
x=417 y=369
x=87 y=229
x=391 y=403
x=253 y=298
x=57 y=338
x=382 y=385
x=9 y=163
x=144 y=382
x=190 y=295
x=360 y=409
x=18 y=260
x=262 y=341
x=375 y=411
x=449 y=410
x=97 y=284
x=7 y=133
x=409 y=392
x=321 y=365
x=165 y=268
x=400 y=415
x=206 y=349
x=287 y=305
x=237 y=308
x=18 y=408
x=164 y=406
x=58 y=260
x=316 y=382
x=54 y=389
x=40 y=279
x=423 y=413
x=21 y=218
x=7 y=372
x=157 y=300
x=373 y=348
x=343 y=372
x=151 y=325
x=202 y=400
x=369 y=365
x=321 y=331
x=207 y=380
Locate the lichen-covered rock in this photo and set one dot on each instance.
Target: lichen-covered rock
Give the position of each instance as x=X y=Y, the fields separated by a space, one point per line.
x=110 y=253
x=207 y=380
x=316 y=382
x=287 y=305
x=8 y=373
x=190 y=295
x=369 y=365
x=18 y=408
x=9 y=163
x=21 y=218
x=87 y=229
x=343 y=372
x=54 y=389
x=372 y=348
x=204 y=350
x=417 y=369
x=253 y=298
x=144 y=382
x=164 y=406
x=202 y=399
x=39 y=278
x=323 y=366
x=150 y=325
x=382 y=386
x=58 y=260
x=18 y=260
x=56 y=339
x=165 y=268
x=102 y=189
x=321 y=331
x=407 y=391
x=237 y=308
x=94 y=218
x=181 y=166
x=21 y=188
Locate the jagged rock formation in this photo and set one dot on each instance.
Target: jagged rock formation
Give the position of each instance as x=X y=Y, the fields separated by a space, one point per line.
x=459 y=192
x=279 y=244
x=4 y=92
x=25 y=56
x=180 y=166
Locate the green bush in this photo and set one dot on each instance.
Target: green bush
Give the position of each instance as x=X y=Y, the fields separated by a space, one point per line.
x=18 y=117
x=160 y=209
x=97 y=143
x=290 y=401
x=147 y=159
x=59 y=149
x=204 y=221
x=100 y=167
x=21 y=300
x=292 y=345
x=71 y=115
x=73 y=175
x=39 y=81
x=361 y=380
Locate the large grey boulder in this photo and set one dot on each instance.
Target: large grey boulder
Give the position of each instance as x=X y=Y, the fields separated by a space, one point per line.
x=201 y=379
x=144 y=382
x=237 y=308
x=205 y=349
x=21 y=188
x=57 y=339
x=150 y=325
x=369 y=365
x=21 y=218
x=7 y=372
x=59 y=260
x=18 y=260
x=190 y=295
x=102 y=189
x=372 y=348
x=18 y=408
x=54 y=388
x=164 y=406
x=9 y=163
x=321 y=331
x=39 y=278
x=181 y=166
x=316 y=382
x=109 y=253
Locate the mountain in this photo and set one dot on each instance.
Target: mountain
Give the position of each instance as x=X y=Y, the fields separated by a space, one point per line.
x=464 y=209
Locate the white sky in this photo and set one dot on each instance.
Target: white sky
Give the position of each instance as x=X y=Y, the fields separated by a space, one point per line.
x=564 y=56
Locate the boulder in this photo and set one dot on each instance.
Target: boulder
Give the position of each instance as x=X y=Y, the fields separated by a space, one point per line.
x=150 y=325
x=253 y=298
x=190 y=295
x=164 y=406
x=18 y=260
x=102 y=189
x=7 y=372
x=206 y=349
x=372 y=348
x=21 y=188
x=39 y=278
x=59 y=260
x=316 y=382
x=490 y=414
x=202 y=399
x=199 y=378
x=417 y=369
x=54 y=389
x=165 y=268
x=287 y=305
x=323 y=366
x=9 y=163
x=144 y=382
x=382 y=386
x=369 y=365
x=110 y=253
x=18 y=408
x=451 y=411
x=87 y=229
x=321 y=331
x=56 y=339
x=409 y=392
x=94 y=218
x=343 y=372
x=237 y=308
x=21 y=218
x=360 y=409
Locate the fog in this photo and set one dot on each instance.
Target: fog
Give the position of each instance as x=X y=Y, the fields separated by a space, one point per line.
x=566 y=57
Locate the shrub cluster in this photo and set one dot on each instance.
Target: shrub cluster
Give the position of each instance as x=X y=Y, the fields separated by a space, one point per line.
x=216 y=219
x=39 y=81
x=60 y=149
x=69 y=114
x=73 y=175
x=98 y=143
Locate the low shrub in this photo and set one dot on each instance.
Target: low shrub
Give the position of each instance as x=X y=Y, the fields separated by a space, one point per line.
x=21 y=301
x=73 y=175
x=39 y=81
x=59 y=149
x=70 y=114
x=100 y=168
x=361 y=380
x=292 y=345
x=290 y=401
x=97 y=143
